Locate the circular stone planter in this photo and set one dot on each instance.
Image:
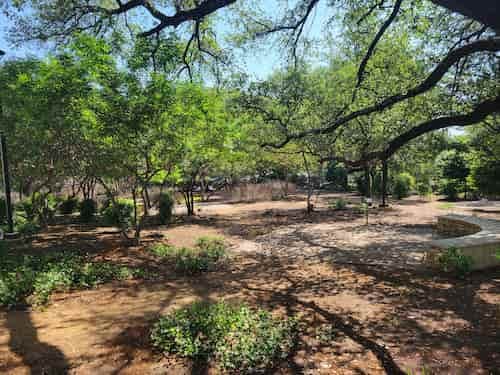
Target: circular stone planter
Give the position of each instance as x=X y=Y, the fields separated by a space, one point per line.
x=475 y=237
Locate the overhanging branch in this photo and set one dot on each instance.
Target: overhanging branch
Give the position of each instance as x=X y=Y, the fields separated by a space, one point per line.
x=485 y=45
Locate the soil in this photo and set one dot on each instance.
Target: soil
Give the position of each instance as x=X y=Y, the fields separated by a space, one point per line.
x=365 y=304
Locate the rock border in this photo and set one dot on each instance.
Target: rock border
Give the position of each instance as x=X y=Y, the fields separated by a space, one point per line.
x=477 y=237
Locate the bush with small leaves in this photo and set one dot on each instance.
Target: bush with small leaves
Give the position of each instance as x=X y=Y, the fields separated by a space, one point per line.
x=68 y=205
x=207 y=254
x=339 y=204
x=403 y=183
x=450 y=189
x=453 y=260
x=162 y=250
x=166 y=207
x=32 y=279
x=424 y=188
x=119 y=213
x=88 y=208
x=236 y=337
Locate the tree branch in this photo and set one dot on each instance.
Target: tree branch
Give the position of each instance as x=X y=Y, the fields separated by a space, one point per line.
x=378 y=36
x=485 y=45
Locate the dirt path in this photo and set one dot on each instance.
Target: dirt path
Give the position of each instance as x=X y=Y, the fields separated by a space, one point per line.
x=383 y=318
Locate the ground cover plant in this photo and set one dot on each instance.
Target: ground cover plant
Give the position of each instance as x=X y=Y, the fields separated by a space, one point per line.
x=236 y=337
x=206 y=255
x=453 y=260
x=32 y=279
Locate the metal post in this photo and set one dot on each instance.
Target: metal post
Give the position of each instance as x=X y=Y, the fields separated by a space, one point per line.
x=6 y=183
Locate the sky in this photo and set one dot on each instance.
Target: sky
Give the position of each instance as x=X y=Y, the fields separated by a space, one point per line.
x=257 y=63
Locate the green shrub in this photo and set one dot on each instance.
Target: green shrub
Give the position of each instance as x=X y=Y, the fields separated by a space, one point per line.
x=453 y=260
x=450 y=189
x=24 y=227
x=424 y=188
x=205 y=256
x=68 y=205
x=340 y=204
x=403 y=184
x=87 y=209
x=338 y=176
x=361 y=185
x=119 y=213
x=166 y=207
x=27 y=209
x=40 y=208
x=236 y=337
x=163 y=250
x=33 y=279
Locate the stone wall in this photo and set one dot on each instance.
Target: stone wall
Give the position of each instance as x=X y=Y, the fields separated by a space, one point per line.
x=478 y=238
x=449 y=226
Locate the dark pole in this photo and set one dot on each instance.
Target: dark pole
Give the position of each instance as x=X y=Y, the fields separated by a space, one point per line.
x=384 y=182
x=6 y=182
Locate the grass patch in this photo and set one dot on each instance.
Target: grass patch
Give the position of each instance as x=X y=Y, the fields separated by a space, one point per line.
x=236 y=337
x=206 y=255
x=446 y=206
x=32 y=279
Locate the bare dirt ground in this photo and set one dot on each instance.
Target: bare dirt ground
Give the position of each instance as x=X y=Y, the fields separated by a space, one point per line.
x=365 y=304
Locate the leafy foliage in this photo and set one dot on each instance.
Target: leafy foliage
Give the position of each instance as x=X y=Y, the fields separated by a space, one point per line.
x=205 y=256
x=450 y=189
x=166 y=207
x=235 y=336
x=339 y=204
x=32 y=279
x=453 y=260
x=68 y=205
x=118 y=213
x=403 y=183
x=424 y=188
x=88 y=208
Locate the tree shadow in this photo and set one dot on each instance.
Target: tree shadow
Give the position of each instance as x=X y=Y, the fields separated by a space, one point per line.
x=40 y=357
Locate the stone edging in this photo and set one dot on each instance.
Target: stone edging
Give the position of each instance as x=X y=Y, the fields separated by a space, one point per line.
x=479 y=238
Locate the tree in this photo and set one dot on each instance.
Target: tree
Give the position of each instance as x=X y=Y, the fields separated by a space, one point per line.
x=485 y=158
x=205 y=131
x=453 y=172
x=458 y=44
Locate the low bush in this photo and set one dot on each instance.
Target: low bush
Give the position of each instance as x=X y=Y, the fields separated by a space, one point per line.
x=453 y=260
x=450 y=189
x=403 y=184
x=424 y=188
x=163 y=250
x=24 y=227
x=39 y=208
x=119 y=213
x=32 y=279
x=166 y=207
x=236 y=337
x=88 y=208
x=339 y=204
x=68 y=205
x=205 y=256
